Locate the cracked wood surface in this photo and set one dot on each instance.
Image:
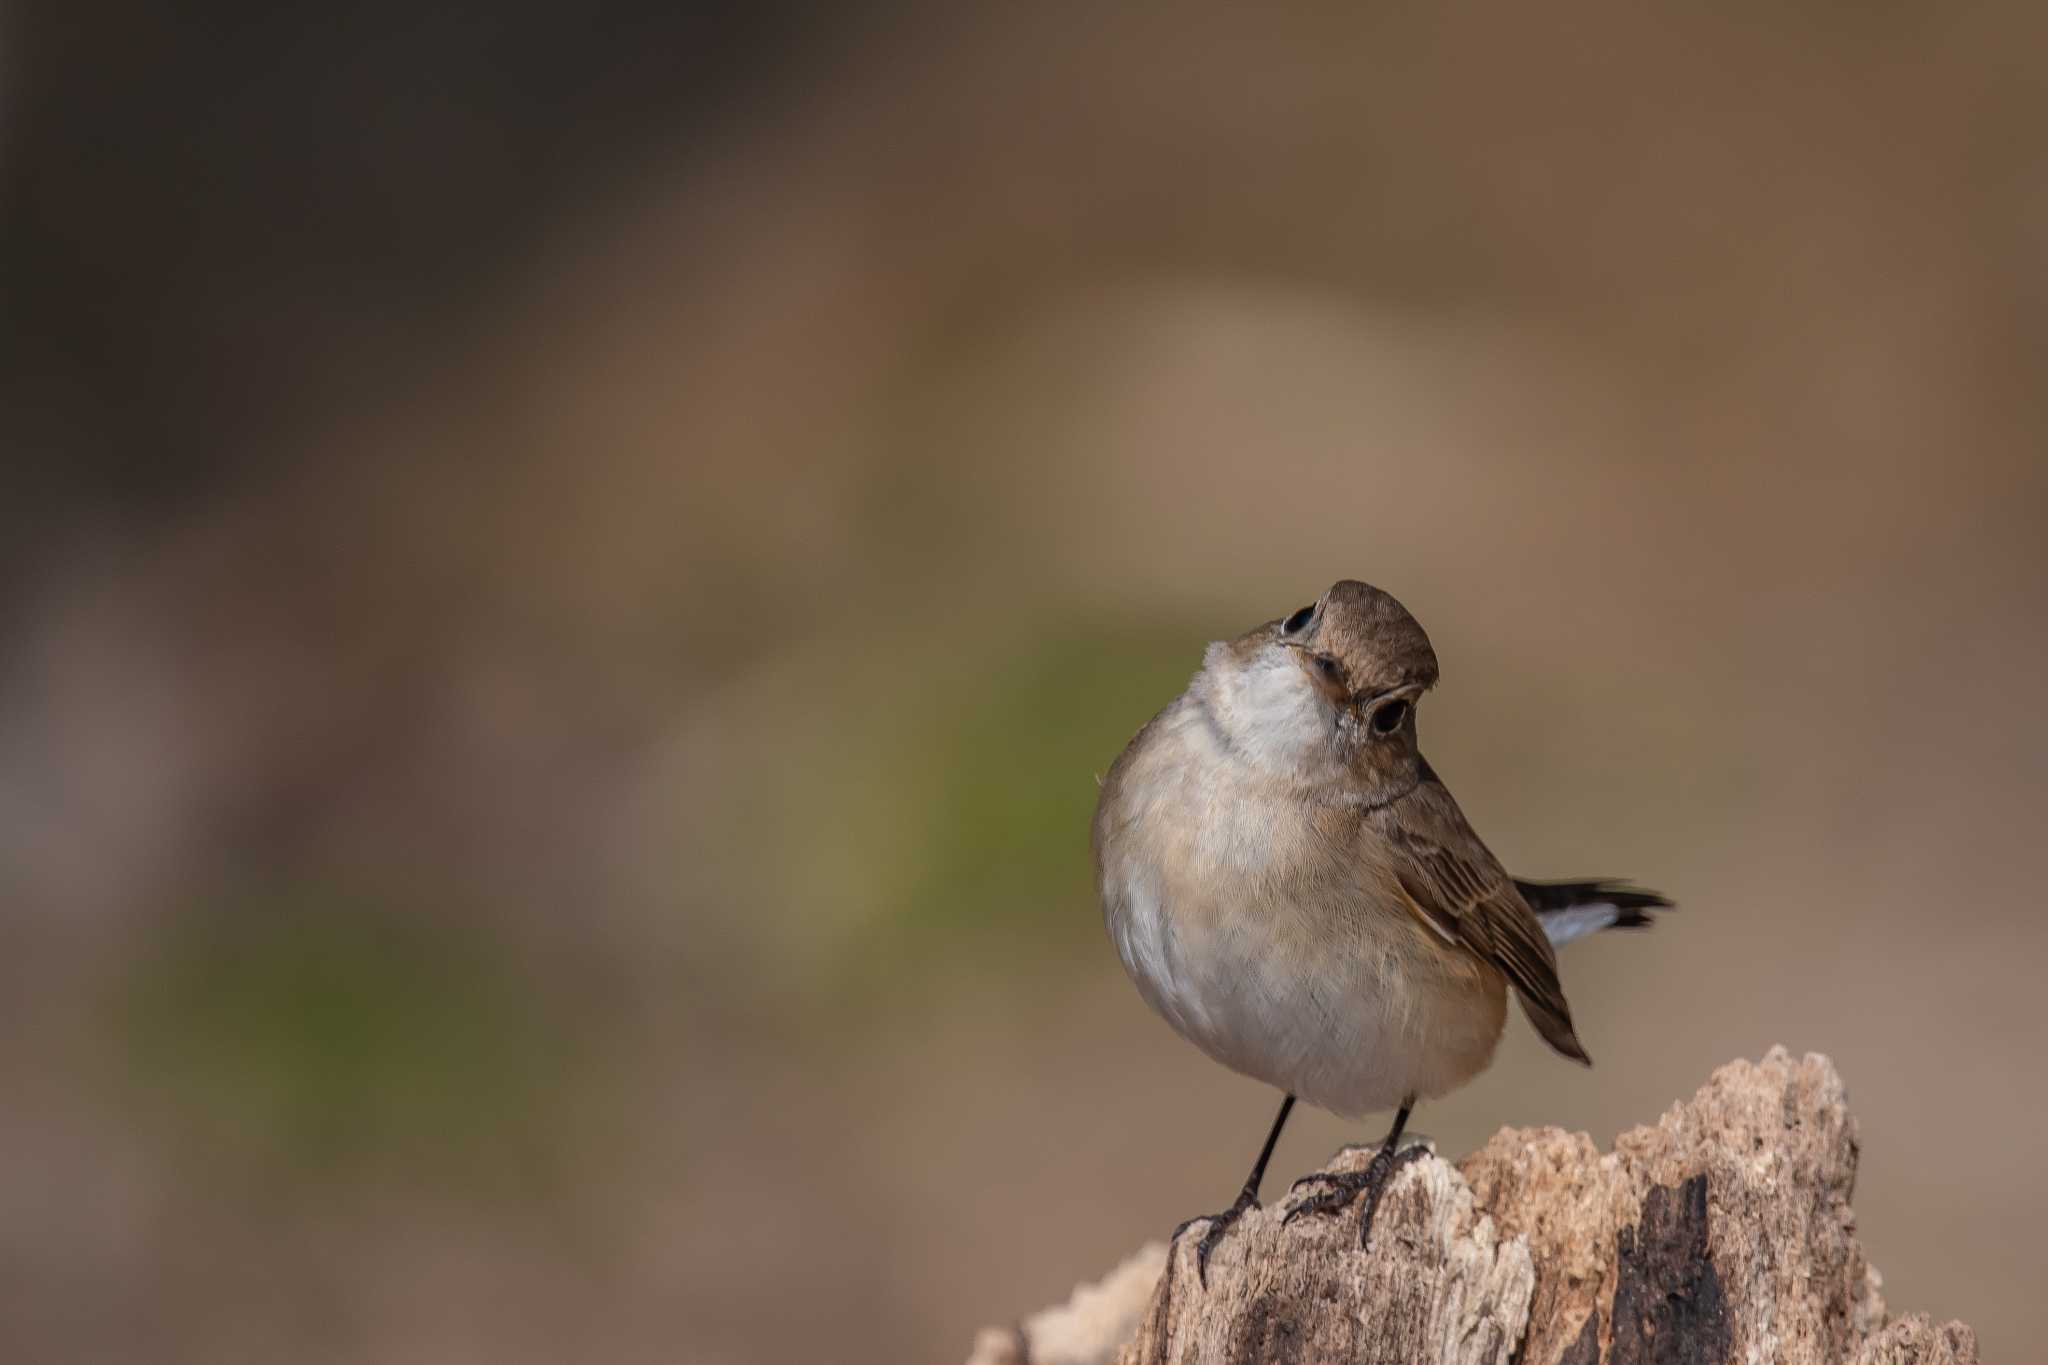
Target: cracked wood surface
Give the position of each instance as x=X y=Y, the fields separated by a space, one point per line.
x=1721 y=1234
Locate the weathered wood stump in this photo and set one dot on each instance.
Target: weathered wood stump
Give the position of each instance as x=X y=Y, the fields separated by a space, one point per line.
x=1723 y=1233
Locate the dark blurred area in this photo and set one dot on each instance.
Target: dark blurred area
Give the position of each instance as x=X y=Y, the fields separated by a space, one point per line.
x=567 y=577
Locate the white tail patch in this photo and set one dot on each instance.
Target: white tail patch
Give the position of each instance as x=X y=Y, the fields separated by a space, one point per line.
x=1562 y=926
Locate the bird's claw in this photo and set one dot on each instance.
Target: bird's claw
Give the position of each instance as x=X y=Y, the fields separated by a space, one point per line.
x=1219 y=1223
x=1344 y=1186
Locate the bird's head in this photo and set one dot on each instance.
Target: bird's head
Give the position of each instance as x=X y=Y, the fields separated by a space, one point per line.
x=1326 y=694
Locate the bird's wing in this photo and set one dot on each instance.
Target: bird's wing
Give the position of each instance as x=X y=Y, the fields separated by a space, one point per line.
x=1453 y=884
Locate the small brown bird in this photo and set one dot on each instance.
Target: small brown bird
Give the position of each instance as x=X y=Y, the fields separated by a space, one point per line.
x=1292 y=887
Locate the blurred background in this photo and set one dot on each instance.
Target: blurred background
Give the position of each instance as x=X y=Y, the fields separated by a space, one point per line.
x=566 y=577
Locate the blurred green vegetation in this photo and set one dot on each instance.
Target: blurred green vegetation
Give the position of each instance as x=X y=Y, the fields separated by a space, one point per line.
x=1010 y=760
x=329 y=1032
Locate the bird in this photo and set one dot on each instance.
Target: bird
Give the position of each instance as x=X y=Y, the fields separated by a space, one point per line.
x=1293 y=888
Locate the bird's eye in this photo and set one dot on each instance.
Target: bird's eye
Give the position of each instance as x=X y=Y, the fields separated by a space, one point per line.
x=1331 y=670
x=1388 y=718
x=1295 y=623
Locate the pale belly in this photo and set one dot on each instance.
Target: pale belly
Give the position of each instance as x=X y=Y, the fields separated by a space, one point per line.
x=1351 y=1024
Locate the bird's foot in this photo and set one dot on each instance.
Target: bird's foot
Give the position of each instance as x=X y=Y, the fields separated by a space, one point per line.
x=1219 y=1223
x=1344 y=1186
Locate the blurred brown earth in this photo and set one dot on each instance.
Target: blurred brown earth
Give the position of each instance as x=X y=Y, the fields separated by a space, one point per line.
x=544 y=771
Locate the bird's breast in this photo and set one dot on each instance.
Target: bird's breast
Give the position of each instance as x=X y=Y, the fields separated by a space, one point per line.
x=1259 y=938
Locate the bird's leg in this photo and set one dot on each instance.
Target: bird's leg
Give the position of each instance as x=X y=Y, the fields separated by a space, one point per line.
x=1374 y=1179
x=1247 y=1198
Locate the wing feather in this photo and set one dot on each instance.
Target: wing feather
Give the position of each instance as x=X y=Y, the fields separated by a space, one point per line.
x=1456 y=886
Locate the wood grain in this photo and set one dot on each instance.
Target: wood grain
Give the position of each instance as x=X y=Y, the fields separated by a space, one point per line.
x=1723 y=1233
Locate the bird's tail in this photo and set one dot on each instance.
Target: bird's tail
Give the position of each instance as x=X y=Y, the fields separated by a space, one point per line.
x=1570 y=910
